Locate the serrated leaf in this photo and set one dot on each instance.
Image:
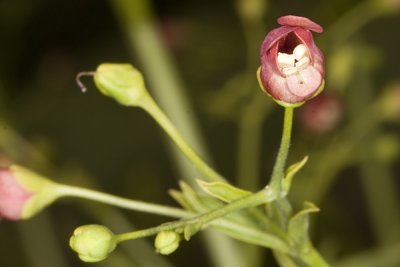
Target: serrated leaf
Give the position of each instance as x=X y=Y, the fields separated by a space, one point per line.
x=298 y=227
x=223 y=191
x=290 y=173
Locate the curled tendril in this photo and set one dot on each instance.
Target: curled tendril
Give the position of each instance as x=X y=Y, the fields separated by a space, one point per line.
x=80 y=75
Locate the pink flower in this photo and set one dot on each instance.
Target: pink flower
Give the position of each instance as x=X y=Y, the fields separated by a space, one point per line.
x=24 y=193
x=292 y=66
x=13 y=196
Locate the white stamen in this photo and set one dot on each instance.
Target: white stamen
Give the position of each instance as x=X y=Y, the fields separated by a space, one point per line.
x=285 y=60
x=302 y=63
x=289 y=71
x=300 y=51
x=291 y=64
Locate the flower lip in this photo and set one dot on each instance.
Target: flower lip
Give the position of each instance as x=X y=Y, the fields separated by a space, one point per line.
x=296 y=21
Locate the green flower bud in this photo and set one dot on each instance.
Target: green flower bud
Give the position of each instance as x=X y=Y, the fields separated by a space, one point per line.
x=167 y=242
x=93 y=242
x=122 y=82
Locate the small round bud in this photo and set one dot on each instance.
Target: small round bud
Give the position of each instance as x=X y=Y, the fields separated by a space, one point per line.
x=92 y=242
x=166 y=242
x=122 y=82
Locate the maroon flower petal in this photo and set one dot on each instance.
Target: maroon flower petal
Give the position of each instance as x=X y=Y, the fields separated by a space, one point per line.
x=273 y=37
x=296 y=21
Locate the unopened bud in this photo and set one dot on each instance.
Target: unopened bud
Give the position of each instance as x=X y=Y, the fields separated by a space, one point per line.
x=122 y=82
x=167 y=242
x=93 y=242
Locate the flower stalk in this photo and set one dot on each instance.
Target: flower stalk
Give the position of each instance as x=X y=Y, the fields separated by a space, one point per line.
x=150 y=106
x=141 y=206
x=279 y=167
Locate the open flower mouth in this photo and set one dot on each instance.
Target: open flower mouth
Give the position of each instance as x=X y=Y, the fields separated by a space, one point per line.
x=293 y=56
x=292 y=66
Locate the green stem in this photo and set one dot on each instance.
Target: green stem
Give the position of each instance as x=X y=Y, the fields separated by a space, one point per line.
x=263 y=196
x=278 y=171
x=313 y=259
x=149 y=105
x=235 y=230
x=72 y=191
x=255 y=199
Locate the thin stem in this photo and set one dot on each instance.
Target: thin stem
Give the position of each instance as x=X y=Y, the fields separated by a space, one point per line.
x=72 y=191
x=258 y=198
x=278 y=171
x=137 y=20
x=263 y=196
x=235 y=230
x=253 y=200
x=313 y=259
x=154 y=110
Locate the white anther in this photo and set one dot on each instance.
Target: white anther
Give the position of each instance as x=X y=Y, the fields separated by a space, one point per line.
x=285 y=60
x=300 y=51
x=289 y=71
x=302 y=63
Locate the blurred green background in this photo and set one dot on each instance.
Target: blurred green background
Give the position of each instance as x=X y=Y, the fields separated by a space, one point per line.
x=199 y=60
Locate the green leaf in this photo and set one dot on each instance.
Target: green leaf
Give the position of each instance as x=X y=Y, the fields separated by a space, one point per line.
x=298 y=227
x=223 y=191
x=290 y=173
x=179 y=197
x=192 y=198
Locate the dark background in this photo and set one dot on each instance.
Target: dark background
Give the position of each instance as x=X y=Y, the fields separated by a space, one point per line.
x=88 y=139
